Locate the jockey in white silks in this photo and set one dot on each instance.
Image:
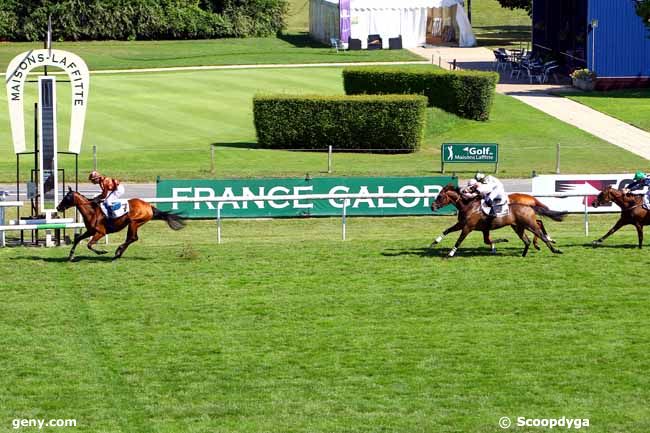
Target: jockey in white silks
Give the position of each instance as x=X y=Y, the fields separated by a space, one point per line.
x=493 y=193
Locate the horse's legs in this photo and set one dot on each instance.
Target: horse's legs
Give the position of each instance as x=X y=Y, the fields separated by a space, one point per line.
x=491 y=242
x=78 y=238
x=453 y=228
x=534 y=228
x=97 y=236
x=460 y=240
x=620 y=223
x=131 y=236
x=639 y=232
x=521 y=232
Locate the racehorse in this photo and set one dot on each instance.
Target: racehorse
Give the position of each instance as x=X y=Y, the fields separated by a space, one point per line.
x=470 y=218
x=519 y=198
x=632 y=211
x=98 y=226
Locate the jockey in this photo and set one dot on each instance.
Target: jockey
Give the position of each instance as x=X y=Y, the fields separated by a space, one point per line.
x=492 y=191
x=112 y=190
x=641 y=180
x=469 y=190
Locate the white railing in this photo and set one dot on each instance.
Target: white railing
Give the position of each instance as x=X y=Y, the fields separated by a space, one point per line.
x=345 y=202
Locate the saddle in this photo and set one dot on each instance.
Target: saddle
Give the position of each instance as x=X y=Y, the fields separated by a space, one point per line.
x=115 y=210
x=500 y=209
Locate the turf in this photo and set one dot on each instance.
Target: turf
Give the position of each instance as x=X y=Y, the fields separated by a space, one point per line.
x=630 y=105
x=162 y=124
x=287 y=49
x=286 y=328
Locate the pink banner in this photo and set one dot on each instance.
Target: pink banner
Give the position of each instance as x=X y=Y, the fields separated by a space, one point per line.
x=344 y=11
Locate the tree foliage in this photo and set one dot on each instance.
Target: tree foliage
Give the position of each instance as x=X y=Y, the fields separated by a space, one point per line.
x=527 y=5
x=643 y=10
x=140 y=19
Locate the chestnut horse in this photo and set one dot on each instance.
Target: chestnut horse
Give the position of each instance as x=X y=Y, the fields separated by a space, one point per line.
x=632 y=212
x=518 y=198
x=471 y=217
x=98 y=226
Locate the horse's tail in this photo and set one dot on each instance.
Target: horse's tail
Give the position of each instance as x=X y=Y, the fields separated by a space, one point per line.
x=552 y=214
x=174 y=221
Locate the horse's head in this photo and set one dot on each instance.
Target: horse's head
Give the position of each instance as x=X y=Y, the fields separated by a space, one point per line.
x=67 y=202
x=447 y=195
x=604 y=197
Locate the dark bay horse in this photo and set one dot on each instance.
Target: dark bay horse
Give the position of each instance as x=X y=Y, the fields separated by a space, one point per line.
x=97 y=226
x=471 y=217
x=632 y=212
x=519 y=198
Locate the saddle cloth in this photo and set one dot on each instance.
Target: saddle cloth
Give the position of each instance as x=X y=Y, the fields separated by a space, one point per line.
x=117 y=209
x=501 y=209
x=646 y=202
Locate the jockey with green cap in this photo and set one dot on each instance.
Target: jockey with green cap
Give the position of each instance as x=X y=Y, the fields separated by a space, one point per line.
x=641 y=180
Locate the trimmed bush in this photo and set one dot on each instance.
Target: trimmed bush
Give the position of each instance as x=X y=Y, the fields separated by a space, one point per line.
x=467 y=94
x=391 y=124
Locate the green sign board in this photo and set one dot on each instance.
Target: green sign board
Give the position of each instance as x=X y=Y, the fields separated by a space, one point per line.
x=225 y=188
x=485 y=153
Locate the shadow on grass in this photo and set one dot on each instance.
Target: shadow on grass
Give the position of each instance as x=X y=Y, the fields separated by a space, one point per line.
x=462 y=252
x=502 y=35
x=64 y=259
x=238 y=145
x=301 y=40
x=638 y=93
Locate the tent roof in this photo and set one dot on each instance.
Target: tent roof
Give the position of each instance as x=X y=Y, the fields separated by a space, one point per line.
x=398 y=4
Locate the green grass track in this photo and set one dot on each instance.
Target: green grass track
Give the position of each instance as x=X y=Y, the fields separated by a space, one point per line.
x=284 y=327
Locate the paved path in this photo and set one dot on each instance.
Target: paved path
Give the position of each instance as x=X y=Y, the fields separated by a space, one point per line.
x=538 y=96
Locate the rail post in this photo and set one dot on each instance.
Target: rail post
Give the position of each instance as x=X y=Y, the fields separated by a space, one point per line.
x=219 y=222
x=344 y=219
x=94 y=157
x=329 y=159
x=586 y=216
x=557 y=159
x=212 y=159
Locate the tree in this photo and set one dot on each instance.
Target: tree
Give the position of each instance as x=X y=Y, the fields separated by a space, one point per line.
x=527 y=5
x=643 y=10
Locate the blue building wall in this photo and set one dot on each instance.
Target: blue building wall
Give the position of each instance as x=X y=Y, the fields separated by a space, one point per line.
x=622 y=46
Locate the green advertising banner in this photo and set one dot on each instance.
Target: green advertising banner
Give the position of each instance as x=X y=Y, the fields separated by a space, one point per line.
x=484 y=153
x=224 y=188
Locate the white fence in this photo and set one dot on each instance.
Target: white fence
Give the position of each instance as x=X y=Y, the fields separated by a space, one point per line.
x=345 y=198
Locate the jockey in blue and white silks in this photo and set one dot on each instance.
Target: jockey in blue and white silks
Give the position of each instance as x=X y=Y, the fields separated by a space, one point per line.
x=492 y=191
x=641 y=180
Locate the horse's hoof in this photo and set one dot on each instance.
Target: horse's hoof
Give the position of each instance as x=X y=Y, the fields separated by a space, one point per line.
x=73 y=259
x=558 y=252
x=596 y=243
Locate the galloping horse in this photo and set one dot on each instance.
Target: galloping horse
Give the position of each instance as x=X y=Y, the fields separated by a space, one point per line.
x=470 y=217
x=632 y=212
x=518 y=198
x=97 y=225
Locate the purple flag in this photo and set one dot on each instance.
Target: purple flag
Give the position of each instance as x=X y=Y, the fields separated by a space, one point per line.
x=344 y=11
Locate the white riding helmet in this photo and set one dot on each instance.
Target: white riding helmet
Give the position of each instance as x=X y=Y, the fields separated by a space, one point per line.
x=479 y=177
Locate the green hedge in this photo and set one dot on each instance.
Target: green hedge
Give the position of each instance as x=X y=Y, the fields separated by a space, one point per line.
x=392 y=123
x=467 y=94
x=26 y=20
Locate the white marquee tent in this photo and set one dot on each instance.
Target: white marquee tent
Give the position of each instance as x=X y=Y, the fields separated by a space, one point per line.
x=388 y=18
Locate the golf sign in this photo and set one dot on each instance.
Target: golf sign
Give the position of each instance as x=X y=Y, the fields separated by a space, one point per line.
x=484 y=153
